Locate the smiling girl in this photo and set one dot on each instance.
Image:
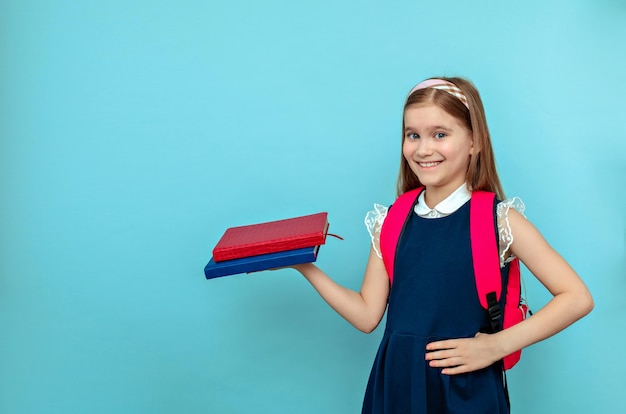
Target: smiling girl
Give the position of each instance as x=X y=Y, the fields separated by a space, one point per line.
x=435 y=356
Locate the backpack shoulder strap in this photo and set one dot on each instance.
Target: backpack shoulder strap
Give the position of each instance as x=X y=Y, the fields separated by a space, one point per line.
x=393 y=226
x=485 y=254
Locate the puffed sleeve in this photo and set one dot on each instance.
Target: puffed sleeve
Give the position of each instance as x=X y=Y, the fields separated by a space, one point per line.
x=373 y=222
x=504 y=228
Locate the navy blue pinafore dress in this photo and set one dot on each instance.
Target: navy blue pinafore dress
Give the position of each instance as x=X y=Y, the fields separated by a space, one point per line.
x=433 y=297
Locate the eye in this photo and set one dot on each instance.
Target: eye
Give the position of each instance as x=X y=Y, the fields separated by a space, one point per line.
x=412 y=135
x=440 y=135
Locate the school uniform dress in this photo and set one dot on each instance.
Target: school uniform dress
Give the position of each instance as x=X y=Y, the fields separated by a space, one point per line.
x=433 y=297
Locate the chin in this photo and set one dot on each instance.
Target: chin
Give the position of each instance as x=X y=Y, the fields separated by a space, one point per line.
x=427 y=182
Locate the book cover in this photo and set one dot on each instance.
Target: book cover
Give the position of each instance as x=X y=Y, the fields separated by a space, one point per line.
x=272 y=237
x=261 y=262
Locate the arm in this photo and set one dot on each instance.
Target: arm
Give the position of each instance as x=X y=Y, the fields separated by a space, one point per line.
x=362 y=309
x=571 y=302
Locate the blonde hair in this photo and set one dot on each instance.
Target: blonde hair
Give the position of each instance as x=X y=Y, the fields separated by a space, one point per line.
x=481 y=172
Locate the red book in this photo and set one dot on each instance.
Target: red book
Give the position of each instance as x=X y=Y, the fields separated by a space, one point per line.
x=272 y=237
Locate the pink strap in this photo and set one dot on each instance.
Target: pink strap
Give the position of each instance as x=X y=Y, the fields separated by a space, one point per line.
x=484 y=246
x=513 y=314
x=393 y=226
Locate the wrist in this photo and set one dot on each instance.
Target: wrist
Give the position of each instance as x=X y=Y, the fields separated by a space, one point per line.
x=303 y=267
x=499 y=345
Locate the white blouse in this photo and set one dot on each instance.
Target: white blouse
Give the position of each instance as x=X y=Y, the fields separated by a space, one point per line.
x=374 y=219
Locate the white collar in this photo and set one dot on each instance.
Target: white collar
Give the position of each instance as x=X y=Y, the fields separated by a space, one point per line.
x=446 y=207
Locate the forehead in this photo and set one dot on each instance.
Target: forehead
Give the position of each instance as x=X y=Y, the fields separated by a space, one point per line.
x=425 y=115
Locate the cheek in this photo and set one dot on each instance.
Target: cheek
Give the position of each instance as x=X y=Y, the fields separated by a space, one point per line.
x=407 y=150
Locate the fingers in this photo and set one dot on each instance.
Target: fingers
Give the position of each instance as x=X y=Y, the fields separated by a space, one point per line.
x=438 y=355
x=447 y=344
x=461 y=369
x=443 y=353
x=457 y=356
x=446 y=363
x=443 y=358
x=450 y=363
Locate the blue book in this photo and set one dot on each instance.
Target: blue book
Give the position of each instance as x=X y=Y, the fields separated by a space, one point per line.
x=261 y=262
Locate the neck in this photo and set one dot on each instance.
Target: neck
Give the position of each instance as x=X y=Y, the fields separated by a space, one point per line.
x=434 y=195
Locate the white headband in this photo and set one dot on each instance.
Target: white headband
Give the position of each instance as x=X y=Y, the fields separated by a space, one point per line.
x=442 y=85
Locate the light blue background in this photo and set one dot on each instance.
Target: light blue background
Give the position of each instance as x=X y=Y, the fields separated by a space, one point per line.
x=135 y=132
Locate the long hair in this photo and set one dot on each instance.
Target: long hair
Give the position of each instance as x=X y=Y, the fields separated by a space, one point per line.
x=481 y=172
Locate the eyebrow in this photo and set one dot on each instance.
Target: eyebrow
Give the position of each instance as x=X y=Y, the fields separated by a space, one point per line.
x=433 y=128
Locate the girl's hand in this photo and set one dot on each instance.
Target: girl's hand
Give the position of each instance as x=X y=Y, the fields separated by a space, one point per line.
x=458 y=356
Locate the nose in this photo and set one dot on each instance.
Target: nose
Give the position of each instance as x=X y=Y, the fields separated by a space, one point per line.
x=423 y=147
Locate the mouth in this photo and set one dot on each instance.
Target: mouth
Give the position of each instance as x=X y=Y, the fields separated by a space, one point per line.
x=429 y=164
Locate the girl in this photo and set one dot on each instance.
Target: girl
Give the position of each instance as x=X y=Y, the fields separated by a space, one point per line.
x=433 y=357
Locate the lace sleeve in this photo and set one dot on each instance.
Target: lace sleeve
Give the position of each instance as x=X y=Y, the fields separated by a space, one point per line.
x=373 y=222
x=504 y=228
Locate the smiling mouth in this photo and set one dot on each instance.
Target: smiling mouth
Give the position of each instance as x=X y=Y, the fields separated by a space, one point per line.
x=429 y=164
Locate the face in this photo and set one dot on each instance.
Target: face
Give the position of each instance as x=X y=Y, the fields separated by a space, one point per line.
x=437 y=148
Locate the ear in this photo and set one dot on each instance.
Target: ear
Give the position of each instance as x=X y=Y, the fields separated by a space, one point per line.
x=473 y=147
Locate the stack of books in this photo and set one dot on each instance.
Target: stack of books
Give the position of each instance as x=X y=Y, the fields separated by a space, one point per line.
x=269 y=245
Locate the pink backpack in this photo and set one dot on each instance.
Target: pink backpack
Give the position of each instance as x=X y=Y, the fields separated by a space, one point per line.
x=485 y=257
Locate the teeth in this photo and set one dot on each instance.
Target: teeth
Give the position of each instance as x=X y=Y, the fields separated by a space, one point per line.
x=429 y=164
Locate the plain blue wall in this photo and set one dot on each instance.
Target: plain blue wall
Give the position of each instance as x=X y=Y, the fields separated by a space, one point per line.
x=135 y=132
